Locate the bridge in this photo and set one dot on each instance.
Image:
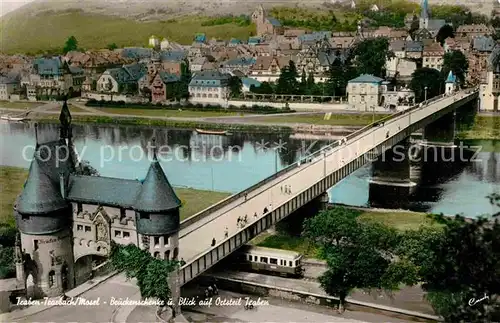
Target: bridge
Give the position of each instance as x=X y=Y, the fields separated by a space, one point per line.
x=306 y=182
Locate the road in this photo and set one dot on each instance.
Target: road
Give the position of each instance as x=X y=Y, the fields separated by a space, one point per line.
x=116 y=286
x=276 y=310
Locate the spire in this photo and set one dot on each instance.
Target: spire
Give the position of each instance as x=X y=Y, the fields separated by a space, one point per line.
x=424 y=7
x=156 y=195
x=153 y=142
x=39 y=195
x=451 y=78
x=36 y=135
x=65 y=120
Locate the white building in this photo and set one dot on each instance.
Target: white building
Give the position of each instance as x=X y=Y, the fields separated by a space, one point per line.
x=489 y=92
x=209 y=87
x=364 y=92
x=154 y=41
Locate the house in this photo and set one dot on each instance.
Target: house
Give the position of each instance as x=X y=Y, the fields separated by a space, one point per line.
x=364 y=92
x=242 y=64
x=266 y=25
x=478 y=59
x=200 y=64
x=472 y=31
x=136 y=53
x=254 y=41
x=162 y=86
x=234 y=42
x=247 y=84
x=200 y=38
x=118 y=80
x=489 y=91
x=414 y=49
x=317 y=60
x=9 y=86
x=401 y=68
x=268 y=68
x=433 y=56
x=154 y=42
x=209 y=86
x=428 y=28
x=398 y=47
x=51 y=77
x=451 y=84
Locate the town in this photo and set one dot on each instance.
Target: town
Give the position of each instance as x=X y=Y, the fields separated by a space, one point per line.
x=365 y=187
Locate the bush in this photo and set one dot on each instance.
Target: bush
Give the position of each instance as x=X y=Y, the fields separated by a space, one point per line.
x=7 y=264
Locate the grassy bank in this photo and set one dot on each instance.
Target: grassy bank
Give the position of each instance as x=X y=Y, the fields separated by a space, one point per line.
x=346 y=119
x=50 y=30
x=71 y=107
x=168 y=123
x=19 y=105
x=398 y=220
x=168 y=113
x=12 y=180
x=485 y=127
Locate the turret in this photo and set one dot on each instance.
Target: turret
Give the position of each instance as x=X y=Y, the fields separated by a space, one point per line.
x=44 y=217
x=451 y=83
x=157 y=212
x=424 y=15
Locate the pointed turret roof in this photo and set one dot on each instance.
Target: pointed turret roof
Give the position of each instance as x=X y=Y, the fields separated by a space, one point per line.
x=156 y=194
x=451 y=78
x=40 y=195
x=424 y=7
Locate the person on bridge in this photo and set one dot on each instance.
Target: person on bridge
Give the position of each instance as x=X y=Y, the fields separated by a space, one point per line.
x=265 y=210
x=255 y=215
x=182 y=262
x=226 y=233
x=213 y=242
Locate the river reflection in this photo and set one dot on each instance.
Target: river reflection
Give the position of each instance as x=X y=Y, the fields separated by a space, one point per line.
x=233 y=163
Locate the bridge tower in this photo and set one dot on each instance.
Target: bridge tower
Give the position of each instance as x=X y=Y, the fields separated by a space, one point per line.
x=158 y=220
x=44 y=217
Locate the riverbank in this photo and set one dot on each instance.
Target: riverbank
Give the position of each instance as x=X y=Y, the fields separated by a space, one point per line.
x=399 y=219
x=12 y=180
x=485 y=127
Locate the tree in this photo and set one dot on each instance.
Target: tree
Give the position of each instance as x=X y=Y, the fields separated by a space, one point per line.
x=287 y=82
x=235 y=86
x=370 y=56
x=152 y=274
x=71 y=44
x=311 y=85
x=303 y=82
x=86 y=169
x=264 y=88
x=445 y=32
x=181 y=89
x=338 y=77
x=428 y=78
x=456 y=62
x=358 y=254
x=112 y=46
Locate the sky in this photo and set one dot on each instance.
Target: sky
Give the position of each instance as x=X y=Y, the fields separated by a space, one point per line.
x=9 y=5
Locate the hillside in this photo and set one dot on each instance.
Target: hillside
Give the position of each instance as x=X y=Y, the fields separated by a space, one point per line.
x=45 y=24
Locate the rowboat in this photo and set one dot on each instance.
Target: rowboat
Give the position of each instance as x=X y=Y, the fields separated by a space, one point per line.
x=13 y=119
x=213 y=132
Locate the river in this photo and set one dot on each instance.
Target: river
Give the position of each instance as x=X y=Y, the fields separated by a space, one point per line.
x=233 y=163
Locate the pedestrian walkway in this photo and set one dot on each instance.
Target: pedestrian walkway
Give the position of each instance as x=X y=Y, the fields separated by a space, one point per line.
x=408 y=300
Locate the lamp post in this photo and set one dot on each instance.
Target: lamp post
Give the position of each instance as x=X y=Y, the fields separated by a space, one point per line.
x=275 y=160
x=425 y=93
x=212 y=174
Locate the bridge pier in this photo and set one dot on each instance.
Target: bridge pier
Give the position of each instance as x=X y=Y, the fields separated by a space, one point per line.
x=390 y=185
x=441 y=132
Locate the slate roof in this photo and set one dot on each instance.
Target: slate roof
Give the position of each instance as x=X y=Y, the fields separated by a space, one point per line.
x=173 y=56
x=315 y=36
x=398 y=45
x=48 y=66
x=75 y=70
x=41 y=193
x=366 y=78
x=235 y=41
x=240 y=61
x=248 y=82
x=137 y=52
x=275 y=22
x=200 y=38
x=156 y=194
x=11 y=78
x=254 y=40
x=435 y=24
x=414 y=46
x=483 y=44
x=168 y=78
x=103 y=190
x=451 y=78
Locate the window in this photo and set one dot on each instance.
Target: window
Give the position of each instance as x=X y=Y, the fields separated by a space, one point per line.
x=122 y=213
x=273 y=261
x=118 y=234
x=157 y=255
x=25 y=217
x=51 y=278
x=296 y=263
x=250 y=257
x=167 y=255
x=79 y=227
x=87 y=228
x=281 y=262
x=156 y=242
x=166 y=240
x=144 y=216
x=263 y=259
x=35 y=245
x=176 y=253
x=126 y=235
x=79 y=207
x=290 y=264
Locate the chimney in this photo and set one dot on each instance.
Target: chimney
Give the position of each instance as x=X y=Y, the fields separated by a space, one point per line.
x=62 y=184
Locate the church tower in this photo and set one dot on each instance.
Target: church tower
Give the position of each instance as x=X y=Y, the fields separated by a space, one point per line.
x=424 y=15
x=44 y=217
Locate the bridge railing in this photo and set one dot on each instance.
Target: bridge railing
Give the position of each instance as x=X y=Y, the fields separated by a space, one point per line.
x=327 y=149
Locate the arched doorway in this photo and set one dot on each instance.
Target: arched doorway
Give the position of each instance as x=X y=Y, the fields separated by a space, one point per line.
x=64 y=277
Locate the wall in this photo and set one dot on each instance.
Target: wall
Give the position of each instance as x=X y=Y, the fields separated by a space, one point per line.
x=114 y=97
